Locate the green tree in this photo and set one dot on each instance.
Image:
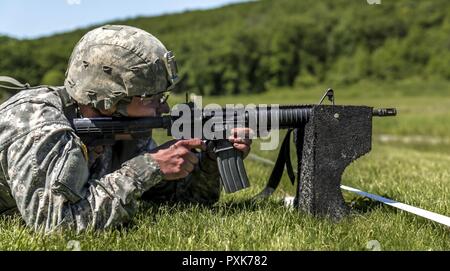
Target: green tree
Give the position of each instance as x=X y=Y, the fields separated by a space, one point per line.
x=53 y=78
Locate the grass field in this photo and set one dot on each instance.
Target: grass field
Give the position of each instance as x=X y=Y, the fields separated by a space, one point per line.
x=412 y=173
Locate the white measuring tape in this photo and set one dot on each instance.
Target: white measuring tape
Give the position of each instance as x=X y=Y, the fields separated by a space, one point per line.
x=442 y=219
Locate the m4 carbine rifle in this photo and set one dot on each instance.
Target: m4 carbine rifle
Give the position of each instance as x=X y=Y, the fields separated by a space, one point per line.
x=328 y=138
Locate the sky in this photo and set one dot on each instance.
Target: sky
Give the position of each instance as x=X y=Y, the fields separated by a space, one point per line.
x=37 y=18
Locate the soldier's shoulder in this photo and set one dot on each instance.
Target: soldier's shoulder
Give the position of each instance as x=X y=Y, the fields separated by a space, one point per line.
x=47 y=95
x=30 y=110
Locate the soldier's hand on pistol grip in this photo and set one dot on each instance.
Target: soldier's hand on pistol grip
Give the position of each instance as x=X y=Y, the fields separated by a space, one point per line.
x=175 y=158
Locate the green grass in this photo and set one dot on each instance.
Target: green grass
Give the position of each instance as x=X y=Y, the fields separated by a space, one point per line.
x=416 y=174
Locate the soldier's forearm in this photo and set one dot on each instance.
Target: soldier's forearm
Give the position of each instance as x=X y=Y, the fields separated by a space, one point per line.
x=115 y=195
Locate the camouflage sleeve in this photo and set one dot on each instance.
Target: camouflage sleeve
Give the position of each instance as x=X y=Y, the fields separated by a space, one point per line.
x=49 y=180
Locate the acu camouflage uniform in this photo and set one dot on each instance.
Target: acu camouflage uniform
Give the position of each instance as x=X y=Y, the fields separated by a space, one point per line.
x=48 y=175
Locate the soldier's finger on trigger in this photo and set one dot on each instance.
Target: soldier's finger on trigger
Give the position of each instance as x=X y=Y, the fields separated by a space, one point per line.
x=182 y=151
x=190 y=143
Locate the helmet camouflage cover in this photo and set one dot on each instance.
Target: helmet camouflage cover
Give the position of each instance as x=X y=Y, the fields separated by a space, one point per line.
x=116 y=61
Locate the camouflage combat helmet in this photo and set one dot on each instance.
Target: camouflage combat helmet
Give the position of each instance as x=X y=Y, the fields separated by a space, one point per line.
x=116 y=61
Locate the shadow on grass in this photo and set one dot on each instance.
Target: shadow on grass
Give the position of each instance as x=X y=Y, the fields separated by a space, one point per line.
x=364 y=205
x=245 y=205
x=221 y=208
x=358 y=204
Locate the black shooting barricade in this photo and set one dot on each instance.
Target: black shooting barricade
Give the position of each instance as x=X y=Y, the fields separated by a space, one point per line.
x=334 y=137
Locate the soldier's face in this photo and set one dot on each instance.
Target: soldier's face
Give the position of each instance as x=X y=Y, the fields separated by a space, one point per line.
x=143 y=107
x=147 y=107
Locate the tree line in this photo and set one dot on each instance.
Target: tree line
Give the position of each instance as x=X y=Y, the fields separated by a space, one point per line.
x=250 y=47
